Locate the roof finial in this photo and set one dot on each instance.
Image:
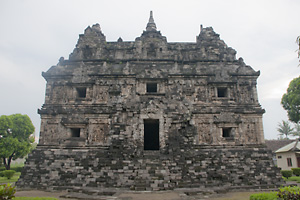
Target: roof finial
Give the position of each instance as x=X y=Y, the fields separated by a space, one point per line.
x=151 y=24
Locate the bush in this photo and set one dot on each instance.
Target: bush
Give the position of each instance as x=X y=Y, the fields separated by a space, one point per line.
x=289 y=193
x=7 y=192
x=9 y=173
x=296 y=171
x=264 y=196
x=295 y=178
x=17 y=169
x=286 y=173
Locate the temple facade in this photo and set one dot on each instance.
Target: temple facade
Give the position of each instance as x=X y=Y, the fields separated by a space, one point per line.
x=150 y=115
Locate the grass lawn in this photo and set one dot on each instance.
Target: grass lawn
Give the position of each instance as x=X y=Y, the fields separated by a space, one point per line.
x=34 y=198
x=12 y=180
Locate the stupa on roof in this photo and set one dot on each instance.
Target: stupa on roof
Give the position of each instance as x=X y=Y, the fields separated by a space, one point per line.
x=151 y=115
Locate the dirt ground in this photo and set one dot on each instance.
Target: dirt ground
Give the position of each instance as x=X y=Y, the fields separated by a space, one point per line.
x=168 y=195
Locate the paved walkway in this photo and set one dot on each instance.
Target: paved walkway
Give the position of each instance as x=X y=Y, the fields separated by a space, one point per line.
x=142 y=195
x=128 y=195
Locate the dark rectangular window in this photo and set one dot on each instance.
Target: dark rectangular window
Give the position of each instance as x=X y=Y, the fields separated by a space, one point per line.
x=279 y=157
x=226 y=132
x=75 y=132
x=81 y=92
x=222 y=92
x=289 y=162
x=151 y=134
x=151 y=87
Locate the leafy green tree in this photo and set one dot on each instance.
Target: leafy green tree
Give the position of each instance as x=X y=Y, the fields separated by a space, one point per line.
x=285 y=128
x=291 y=100
x=16 y=137
x=5 y=125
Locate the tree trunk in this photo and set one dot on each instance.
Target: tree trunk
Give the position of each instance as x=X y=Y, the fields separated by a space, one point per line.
x=5 y=163
x=8 y=161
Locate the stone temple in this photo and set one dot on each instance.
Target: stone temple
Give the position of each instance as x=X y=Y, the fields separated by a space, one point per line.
x=150 y=115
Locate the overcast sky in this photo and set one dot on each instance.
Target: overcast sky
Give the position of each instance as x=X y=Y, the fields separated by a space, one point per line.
x=34 y=34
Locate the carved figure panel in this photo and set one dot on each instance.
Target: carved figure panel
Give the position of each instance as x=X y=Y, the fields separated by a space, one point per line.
x=204 y=132
x=50 y=133
x=100 y=94
x=201 y=93
x=98 y=133
x=250 y=133
x=59 y=94
x=244 y=94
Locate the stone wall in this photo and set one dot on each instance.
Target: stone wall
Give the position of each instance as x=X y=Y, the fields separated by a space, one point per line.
x=230 y=167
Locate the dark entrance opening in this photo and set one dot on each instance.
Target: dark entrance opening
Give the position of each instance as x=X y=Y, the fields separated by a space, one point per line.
x=151 y=134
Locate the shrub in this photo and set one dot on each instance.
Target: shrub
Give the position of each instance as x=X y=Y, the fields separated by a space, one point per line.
x=295 y=178
x=264 y=196
x=289 y=193
x=7 y=192
x=9 y=173
x=17 y=169
x=2 y=169
x=296 y=171
x=286 y=173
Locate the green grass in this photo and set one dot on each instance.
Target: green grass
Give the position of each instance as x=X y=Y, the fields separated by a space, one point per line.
x=12 y=180
x=264 y=196
x=34 y=198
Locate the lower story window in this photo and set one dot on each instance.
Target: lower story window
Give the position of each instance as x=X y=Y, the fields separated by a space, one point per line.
x=289 y=162
x=75 y=132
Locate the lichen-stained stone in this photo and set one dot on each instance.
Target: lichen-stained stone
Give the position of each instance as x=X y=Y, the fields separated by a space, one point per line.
x=151 y=115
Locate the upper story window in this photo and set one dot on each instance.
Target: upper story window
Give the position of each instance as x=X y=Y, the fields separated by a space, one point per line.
x=151 y=87
x=222 y=92
x=228 y=133
x=81 y=92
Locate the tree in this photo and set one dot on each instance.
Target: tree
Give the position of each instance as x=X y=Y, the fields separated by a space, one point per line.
x=291 y=100
x=296 y=131
x=285 y=128
x=16 y=137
